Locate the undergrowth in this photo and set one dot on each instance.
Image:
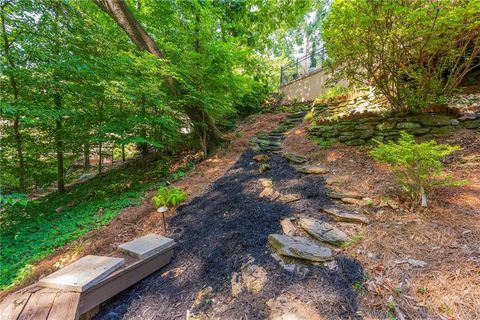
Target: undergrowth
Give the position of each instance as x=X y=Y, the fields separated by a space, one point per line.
x=31 y=233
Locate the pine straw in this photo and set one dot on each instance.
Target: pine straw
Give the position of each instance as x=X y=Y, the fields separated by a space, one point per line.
x=446 y=236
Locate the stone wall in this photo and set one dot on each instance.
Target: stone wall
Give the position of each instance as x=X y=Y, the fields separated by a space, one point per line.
x=361 y=131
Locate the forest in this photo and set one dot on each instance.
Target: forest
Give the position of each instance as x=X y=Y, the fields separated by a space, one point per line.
x=312 y=159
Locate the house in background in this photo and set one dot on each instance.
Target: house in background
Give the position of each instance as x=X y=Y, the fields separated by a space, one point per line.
x=304 y=79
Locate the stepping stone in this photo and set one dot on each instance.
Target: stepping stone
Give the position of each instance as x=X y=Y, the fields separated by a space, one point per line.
x=344 y=215
x=82 y=274
x=299 y=247
x=341 y=195
x=324 y=231
x=294 y=158
x=313 y=170
x=266 y=183
x=359 y=202
x=269 y=193
x=287 y=226
x=146 y=246
x=291 y=197
x=260 y=158
x=264 y=166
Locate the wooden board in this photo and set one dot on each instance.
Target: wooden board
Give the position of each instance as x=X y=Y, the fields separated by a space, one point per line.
x=13 y=305
x=65 y=306
x=122 y=279
x=38 y=306
x=82 y=274
x=146 y=246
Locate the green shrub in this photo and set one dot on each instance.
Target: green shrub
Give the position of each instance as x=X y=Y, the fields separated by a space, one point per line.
x=417 y=166
x=169 y=197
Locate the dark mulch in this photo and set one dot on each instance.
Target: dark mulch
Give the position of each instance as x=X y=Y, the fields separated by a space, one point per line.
x=224 y=228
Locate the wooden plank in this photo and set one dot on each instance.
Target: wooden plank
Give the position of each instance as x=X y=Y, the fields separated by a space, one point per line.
x=38 y=306
x=82 y=274
x=13 y=305
x=122 y=279
x=146 y=246
x=65 y=306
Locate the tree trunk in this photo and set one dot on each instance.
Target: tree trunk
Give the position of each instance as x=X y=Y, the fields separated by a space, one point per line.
x=123 y=152
x=143 y=146
x=16 y=122
x=120 y=13
x=21 y=161
x=59 y=146
x=86 y=156
x=100 y=157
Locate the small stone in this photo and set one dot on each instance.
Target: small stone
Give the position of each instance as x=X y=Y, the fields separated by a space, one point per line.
x=269 y=193
x=299 y=247
x=162 y=209
x=286 y=307
x=359 y=202
x=252 y=278
x=324 y=231
x=266 y=183
x=294 y=158
x=287 y=227
x=340 y=195
x=454 y=122
x=261 y=158
x=343 y=215
x=203 y=295
x=313 y=170
x=291 y=197
x=263 y=167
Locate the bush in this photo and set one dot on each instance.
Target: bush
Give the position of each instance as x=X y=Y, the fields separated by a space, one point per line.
x=169 y=197
x=417 y=166
x=414 y=52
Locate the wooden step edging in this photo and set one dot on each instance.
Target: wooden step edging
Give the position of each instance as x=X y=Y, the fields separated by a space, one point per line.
x=51 y=300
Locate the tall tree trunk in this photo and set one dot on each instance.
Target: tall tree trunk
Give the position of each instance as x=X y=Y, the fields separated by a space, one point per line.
x=16 y=121
x=59 y=145
x=86 y=156
x=123 y=152
x=120 y=13
x=100 y=157
x=143 y=146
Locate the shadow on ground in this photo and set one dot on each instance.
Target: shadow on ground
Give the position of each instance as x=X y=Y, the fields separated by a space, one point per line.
x=224 y=228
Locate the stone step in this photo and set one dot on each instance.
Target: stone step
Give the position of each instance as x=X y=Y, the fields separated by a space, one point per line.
x=323 y=231
x=290 y=157
x=343 y=215
x=299 y=247
x=313 y=169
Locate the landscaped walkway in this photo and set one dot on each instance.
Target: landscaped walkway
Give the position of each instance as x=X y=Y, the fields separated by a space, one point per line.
x=223 y=267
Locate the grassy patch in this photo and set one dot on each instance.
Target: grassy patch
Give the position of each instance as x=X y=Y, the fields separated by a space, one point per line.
x=31 y=233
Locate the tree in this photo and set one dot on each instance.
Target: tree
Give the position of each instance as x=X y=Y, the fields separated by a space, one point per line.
x=414 y=52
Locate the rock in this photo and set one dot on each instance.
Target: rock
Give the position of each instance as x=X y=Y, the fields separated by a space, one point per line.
x=386 y=125
x=355 y=142
x=343 y=215
x=286 y=307
x=471 y=124
x=203 y=296
x=287 y=227
x=270 y=194
x=413 y=262
x=324 y=231
x=359 y=202
x=313 y=170
x=260 y=158
x=299 y=247
x=454 y=122
x=263 y=167
x=416 y=131
x=251 y=278
x=266 y=183
x=294 y=158
x=291 y=197
x=332 y=181
x=60 y=209
x=443 y=130
x=340 y=195
x=430 y=119
x=408 y=125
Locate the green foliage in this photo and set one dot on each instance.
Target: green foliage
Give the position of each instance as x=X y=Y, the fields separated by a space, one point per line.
x=417 y=166
x=414 y=52
x=334 y=93
x=169 y=197
x=13 y=199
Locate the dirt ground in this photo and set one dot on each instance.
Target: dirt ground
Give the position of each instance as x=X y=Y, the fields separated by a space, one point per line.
x=446 y=236
x=136 y=221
